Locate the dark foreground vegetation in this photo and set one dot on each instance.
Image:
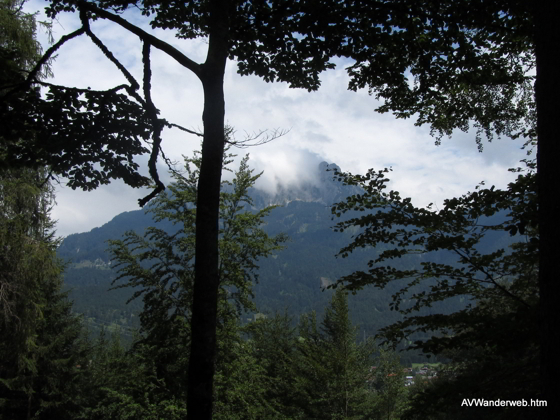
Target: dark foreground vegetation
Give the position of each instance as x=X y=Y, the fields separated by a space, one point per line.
x=269 y=369
x=471 y=64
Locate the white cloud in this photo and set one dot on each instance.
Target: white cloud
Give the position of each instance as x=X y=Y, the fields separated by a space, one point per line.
x=284 y=166
x=332 y=124
x=78 y=211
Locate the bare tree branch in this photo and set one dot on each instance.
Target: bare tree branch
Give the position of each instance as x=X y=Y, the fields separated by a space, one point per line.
x=134 y=85
x=156 y=123
x=196 y=133
x=255 y=139
x=44 y=59
x=173 y=52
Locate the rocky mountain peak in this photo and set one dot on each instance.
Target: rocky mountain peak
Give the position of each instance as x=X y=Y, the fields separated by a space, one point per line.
x=324 y=188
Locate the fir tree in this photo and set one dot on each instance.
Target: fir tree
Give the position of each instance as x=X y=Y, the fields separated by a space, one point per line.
x=274 y=343
x=41 y=346
x=333 y=368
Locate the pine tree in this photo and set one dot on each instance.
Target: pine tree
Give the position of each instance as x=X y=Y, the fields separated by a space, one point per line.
x=40 y=338
x=274 y=342
x=333 y=368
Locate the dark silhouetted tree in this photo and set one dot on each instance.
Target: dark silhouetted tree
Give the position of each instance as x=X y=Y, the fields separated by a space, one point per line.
x=468 y=61
x=493 y=342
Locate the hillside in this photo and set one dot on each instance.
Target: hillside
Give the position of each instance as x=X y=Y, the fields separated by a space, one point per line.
x=293 y=279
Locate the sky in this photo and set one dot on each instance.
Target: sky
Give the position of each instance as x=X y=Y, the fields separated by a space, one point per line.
x=333 y=125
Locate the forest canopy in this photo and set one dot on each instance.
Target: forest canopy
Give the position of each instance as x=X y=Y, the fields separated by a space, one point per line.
x=471 y=62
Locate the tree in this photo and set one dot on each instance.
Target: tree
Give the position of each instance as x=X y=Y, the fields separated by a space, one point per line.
x=241 y=382
x=24 y=200
x=469 y=60
x=160 y=263
x=493 y=340
x=40 y=338
x=274 y=340
x=160 y=266
x=332 y=369
x=41 y=342
x=19 y=49
x=387 y=381
x=125 y=384
x=484 y=75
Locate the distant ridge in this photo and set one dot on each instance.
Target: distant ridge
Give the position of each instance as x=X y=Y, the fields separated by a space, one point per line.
x=295 y=279
x=91 y=246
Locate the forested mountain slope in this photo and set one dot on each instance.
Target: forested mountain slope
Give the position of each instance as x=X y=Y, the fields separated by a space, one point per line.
x=293 y=279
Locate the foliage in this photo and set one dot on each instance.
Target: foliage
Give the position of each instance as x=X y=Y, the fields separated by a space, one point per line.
x=241 y=384
x=40 y=338
x=159 y=265
x=492 y=341
x=19 y=48
x=469 y=61
x=332 y=368
x=63 y=130
x=25 y=239
x=123 y=385
x=387 y=381
x=274 y=342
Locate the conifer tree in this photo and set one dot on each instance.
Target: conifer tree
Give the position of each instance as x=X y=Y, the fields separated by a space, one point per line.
x=333 y=368
x=41 y=348
x=41 y=345
x=274 y=342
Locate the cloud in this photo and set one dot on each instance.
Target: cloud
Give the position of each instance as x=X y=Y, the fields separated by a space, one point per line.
x=332 y=124
x=288 y=167
x=78 y=211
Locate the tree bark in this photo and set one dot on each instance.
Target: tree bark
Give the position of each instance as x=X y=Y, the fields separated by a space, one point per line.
x=547 y=93
x=206 y=282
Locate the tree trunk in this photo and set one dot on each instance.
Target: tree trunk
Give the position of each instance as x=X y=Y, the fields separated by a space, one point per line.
x=206 y=282
x=547 y=92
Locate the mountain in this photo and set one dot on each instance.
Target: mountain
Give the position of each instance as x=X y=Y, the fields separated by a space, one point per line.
x=293 y=279
x=323 y=189
x=91 y=246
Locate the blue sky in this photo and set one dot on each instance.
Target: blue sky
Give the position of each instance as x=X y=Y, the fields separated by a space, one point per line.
x=332 y=124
